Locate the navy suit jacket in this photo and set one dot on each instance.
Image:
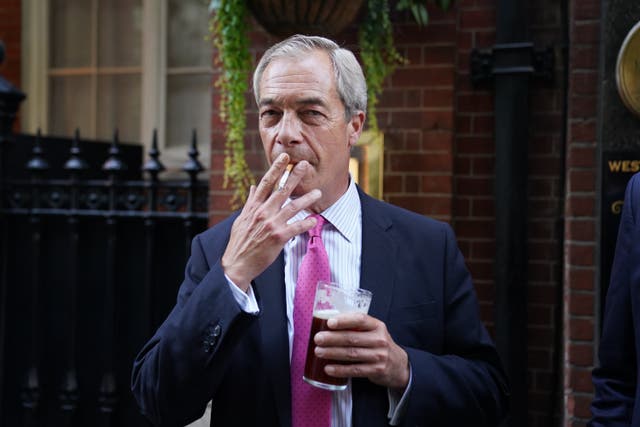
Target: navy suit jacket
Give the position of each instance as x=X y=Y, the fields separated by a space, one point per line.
x=208 y=349
x=617 y=396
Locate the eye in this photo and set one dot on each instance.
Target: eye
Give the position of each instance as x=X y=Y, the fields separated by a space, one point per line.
x=269 y=113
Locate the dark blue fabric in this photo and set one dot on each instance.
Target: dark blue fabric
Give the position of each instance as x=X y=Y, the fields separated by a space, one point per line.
x=617 y=397
x=421 y=290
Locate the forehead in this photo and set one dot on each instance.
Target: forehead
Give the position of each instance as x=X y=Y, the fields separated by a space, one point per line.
x=306 y=75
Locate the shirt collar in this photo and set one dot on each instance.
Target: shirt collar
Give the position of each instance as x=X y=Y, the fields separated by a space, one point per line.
x=344 y=214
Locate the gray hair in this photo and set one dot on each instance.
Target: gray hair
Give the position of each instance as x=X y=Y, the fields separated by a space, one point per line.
x=350 y=82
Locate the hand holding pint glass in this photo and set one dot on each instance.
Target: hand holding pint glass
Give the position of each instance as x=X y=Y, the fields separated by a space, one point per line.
x=331 y=299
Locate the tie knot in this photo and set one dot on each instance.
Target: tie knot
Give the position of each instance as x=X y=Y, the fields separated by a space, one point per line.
x=316 y=231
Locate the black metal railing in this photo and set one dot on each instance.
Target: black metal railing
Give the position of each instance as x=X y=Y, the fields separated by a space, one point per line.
x=92 y=255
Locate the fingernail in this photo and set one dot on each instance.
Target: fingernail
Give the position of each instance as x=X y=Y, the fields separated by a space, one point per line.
x=317 y=193
x=332 y=323
x=284 y=157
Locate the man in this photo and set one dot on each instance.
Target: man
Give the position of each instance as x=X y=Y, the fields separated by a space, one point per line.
x=617 y=397
x=420 y=358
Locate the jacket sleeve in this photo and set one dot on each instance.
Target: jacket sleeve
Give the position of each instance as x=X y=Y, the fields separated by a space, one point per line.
x=178 y=371
x=615 y=377
x=465 y=385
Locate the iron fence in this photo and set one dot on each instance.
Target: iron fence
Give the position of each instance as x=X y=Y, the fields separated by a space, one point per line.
x=91 y=255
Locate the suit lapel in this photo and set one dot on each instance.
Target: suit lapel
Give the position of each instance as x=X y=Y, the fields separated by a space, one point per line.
x=275 y=339
x=377 y=271
x=377 y=268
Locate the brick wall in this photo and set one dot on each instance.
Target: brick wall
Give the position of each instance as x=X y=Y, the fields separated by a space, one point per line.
x=580 y=210
x=10 y=26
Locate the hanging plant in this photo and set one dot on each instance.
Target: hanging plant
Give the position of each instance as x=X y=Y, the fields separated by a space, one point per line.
x=229 y=33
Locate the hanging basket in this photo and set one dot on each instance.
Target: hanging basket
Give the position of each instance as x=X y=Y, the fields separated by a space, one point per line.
x=310 y=17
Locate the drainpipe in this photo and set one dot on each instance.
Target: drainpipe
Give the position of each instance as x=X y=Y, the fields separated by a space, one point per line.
x=509 y=67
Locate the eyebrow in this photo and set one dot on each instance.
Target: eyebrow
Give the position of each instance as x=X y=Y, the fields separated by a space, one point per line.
x=304 y=101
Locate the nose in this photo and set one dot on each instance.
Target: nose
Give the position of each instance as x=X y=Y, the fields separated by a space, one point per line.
x=289 y=131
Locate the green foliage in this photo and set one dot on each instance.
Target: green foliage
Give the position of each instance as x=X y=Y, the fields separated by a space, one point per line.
x=378 y=53
x=229 y=33
x=377 y=49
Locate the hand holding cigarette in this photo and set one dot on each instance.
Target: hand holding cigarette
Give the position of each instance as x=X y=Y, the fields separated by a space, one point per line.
x=261 y=230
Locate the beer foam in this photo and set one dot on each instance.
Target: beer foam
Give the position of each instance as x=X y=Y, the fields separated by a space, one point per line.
x=325 y=314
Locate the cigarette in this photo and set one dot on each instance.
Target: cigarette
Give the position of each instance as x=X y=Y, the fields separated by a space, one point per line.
x=285 y=176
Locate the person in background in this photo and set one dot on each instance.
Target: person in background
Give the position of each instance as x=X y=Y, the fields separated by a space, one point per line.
x=421 y=357
x=617 y=397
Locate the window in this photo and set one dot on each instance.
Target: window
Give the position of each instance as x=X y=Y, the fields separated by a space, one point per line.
x=131 y=65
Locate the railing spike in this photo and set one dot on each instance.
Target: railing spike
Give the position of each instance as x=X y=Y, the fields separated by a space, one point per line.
x=192 y=166
x=154 y=166
x=37 y=163
x=75 y=162
x=114 y=164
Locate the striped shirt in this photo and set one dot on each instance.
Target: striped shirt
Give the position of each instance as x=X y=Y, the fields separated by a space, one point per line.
x=342 y=238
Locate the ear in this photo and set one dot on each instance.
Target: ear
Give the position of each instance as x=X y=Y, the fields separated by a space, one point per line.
x=355 y=126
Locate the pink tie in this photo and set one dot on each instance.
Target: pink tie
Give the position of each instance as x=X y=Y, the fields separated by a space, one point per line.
x=311 y=406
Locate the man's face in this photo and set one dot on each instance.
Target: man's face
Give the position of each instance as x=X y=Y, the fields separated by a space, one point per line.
x=301 y=114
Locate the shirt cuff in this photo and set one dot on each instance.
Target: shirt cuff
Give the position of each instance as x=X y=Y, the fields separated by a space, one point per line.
x=246 y=300
x=398 y=402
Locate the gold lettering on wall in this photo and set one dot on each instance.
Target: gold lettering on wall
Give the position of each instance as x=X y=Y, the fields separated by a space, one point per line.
x=624 y=166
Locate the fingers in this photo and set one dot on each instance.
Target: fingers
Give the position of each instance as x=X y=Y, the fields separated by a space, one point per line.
x=271 y=177
x=353 y=321
x=370 y=353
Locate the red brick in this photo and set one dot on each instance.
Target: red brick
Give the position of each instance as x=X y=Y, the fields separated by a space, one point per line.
x=583 y=57
x=585 y=32
x=483 y=124
x=586 y=10
x=439 y=55
x=437 y=184
x=584 y=83
x=580 y=206
x=393 y=183
x=437 y=97
x=475 y=145
x=580 y=354
x=475 y=102
x=477 y=18
x=581 y=255
x=538 y=315
x=421 y=163
x=582 y=106
x=418 y=77
x=484 y=208
x=581 y=157
x=581 y=230
x=583 y=131
x=580 y=379
x=581 y=304
x=542 y=294
x=582 y=407
x=483 y=165
x=581 y=329
x=581 y=278
x=475 y=227
x=437 y=141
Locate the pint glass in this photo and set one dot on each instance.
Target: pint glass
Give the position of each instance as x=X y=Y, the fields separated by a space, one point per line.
x=331 y=299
